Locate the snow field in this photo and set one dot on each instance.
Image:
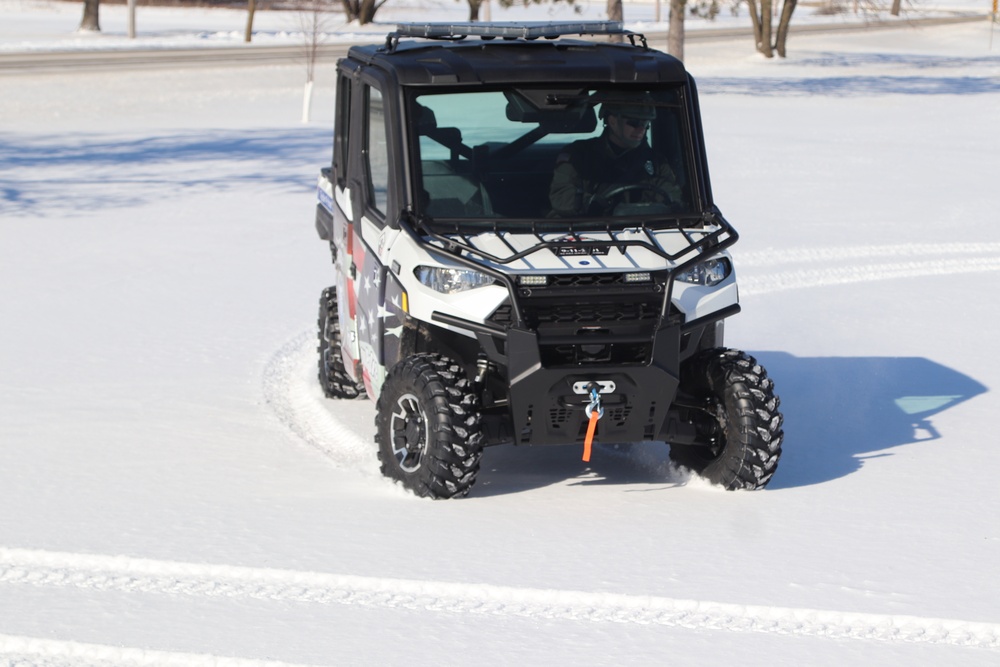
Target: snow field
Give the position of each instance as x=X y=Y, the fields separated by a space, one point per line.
x=175 y=490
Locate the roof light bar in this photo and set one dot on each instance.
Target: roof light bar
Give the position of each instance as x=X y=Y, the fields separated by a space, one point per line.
x=509 y=29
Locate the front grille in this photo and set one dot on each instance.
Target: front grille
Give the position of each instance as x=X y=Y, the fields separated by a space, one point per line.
x=539 y=313
x=586 y=280
x=589 y=318
x=615 y=354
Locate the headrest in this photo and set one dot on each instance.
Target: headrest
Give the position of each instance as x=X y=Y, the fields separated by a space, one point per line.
x=426 y=122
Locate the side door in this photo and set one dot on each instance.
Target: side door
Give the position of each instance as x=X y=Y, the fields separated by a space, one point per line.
x=341 y=199
x=376 y=198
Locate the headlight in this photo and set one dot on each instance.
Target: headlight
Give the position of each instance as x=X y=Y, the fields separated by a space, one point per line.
x=449 y=281
x=710 y=272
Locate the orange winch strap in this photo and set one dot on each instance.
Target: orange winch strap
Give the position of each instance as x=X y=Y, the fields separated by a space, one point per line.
x=588 y=441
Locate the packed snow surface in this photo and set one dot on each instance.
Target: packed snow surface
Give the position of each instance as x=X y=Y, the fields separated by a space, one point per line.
x=176 y=491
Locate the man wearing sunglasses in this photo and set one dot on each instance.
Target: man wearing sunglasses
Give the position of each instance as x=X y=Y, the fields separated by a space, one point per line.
x=594 y=176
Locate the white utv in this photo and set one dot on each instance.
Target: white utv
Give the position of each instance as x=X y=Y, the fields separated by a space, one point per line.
x=477 y=312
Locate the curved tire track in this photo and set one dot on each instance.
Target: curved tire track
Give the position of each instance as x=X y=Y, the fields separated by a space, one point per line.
x=126 y=574
x=292 y=392
x=858 y=264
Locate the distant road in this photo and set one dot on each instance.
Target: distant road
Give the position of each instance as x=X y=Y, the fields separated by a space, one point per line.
x=250 y=54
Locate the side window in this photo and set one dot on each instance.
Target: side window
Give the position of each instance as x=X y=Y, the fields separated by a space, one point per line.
x=341 y=130
x=377 y=152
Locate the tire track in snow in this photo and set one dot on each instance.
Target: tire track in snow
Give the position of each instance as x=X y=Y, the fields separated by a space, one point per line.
x=36 y=652
x=292 y=391
x=126 y=574
x=858 y=264
x=773 y=256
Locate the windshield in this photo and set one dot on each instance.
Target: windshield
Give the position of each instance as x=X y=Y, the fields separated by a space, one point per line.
x=551 y=153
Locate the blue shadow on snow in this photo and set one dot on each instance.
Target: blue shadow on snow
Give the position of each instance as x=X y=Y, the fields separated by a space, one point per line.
x=60 y=174
x=838 y=412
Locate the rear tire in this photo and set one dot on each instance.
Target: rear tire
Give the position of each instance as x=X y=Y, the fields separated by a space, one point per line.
x=428 y=427
x=744 y=448
x=333 y=375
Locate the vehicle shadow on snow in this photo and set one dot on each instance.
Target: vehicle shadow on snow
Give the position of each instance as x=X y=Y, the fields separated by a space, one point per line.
x=839 y=411
x=512 y=469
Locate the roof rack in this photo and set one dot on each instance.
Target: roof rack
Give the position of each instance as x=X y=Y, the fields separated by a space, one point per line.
x=508 y=30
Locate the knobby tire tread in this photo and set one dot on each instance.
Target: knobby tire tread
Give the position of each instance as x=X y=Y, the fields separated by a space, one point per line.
x=750 y=423
x=450 y=461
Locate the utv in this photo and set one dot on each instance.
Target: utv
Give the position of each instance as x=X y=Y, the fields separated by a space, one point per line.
x=477 y=311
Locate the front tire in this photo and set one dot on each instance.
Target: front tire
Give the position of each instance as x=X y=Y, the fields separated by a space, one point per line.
x=333 y=375
x=745 y=443
x=427 y=427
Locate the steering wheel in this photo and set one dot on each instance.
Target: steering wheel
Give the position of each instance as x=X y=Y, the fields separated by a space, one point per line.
x=607 y=201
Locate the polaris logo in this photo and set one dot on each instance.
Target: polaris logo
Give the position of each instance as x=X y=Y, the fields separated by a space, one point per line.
x=574 y=250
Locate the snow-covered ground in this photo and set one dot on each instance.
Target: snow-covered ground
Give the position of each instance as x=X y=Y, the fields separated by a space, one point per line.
x=176 y=491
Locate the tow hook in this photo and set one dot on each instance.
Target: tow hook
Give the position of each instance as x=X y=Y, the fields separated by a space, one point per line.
x=594 y=411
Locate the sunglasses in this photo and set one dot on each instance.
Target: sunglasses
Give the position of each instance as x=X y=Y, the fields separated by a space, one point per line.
x=636 y=123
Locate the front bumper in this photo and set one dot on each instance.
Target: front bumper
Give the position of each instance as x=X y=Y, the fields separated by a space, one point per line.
x=545 y=409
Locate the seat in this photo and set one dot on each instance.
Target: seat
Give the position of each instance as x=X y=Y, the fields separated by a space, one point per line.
x=452 y=188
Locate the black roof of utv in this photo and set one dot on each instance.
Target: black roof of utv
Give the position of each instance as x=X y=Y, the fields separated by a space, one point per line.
x=504 y=53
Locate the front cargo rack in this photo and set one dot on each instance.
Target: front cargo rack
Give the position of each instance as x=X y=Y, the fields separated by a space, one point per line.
x=703 y=244
x=508 y=30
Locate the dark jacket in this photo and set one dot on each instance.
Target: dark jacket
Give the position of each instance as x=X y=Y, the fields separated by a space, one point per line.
x=588 y=169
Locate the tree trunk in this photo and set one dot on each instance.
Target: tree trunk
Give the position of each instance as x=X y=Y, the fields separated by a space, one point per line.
x=615 y=13
x=367 y=13
x=90 y=20
x=764 y=45
x=131 y=19
x=474 y=9
x=352 y=10
x=251 y=8
x=755 y=21
x=675 y=33
x=895 y=7
x=362 y=11
x=783 y=23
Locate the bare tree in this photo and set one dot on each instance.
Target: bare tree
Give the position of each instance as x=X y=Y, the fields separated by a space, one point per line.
x=313 y=21
x=675 y=31
x=707 y=9
x=362 y=11
x=91 y=22
x=251 y=9
x=476 y=5
x=784 y=21
x=760 y=16
x=615 y=13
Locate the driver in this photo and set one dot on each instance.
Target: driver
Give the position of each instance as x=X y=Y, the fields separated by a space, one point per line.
x=587 y=170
